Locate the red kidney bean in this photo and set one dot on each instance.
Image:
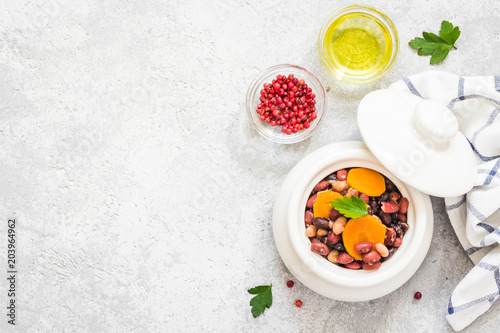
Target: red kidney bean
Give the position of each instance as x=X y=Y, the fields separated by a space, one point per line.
x=308 y=217
x=385 y=218
x=363 y=247
x=401 y=217
x=311 y=201
x=332 y=238
x=352 y=191
x=394 y=196
x=365 y=198
x=342 y=174
x=321 y=186
x=371 y=267
x=320 y=248
x=404 y=227
x=315 y=240
x=389 y=207
x=397 y=242
x=344 y=258
x=334 y=214
x=390 y=236
x=320 y=223
x=353 y=265
x=403 y=205
x=371 y=257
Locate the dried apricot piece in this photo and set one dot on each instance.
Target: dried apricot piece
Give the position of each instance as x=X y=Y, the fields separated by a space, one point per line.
x=322 y=205
x=366 y=181
x=362 y=229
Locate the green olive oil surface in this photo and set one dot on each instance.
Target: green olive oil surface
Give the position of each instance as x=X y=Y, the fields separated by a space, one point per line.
x=357 y=45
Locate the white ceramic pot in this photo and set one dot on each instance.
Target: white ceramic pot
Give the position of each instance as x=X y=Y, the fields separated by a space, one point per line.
x=313 y=270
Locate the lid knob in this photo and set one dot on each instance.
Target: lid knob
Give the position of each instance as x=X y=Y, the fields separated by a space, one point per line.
x=435 y=122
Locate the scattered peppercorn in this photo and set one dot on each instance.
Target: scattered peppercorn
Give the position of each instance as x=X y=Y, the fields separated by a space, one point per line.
x=287 y=102
x=289 y=284
x=418 y=295
x=298 y=303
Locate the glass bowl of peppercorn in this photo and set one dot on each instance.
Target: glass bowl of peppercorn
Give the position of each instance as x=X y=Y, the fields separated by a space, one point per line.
x=286 y=103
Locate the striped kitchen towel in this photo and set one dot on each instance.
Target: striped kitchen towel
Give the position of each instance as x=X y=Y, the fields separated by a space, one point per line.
x=475 y=216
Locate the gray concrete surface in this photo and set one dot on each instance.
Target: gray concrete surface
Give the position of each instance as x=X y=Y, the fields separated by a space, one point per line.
x=143 y=198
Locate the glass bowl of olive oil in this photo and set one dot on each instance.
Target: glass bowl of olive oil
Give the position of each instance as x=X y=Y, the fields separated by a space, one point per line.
x=358 y=44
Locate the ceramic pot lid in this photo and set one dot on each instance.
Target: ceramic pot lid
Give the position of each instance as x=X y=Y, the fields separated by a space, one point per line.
x=418 y=140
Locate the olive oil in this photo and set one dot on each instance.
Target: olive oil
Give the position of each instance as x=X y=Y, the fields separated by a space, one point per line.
x=357 y=45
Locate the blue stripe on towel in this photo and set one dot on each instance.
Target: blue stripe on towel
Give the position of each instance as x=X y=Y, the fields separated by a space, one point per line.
x=454 y=100
x=497 y=279
x=483 y=158
x=490 y=121
x=451 y=309
x=486 y=227
x=461 y=82
x=412 y=88
x=487 y=171
x=492 y=173
x=457 y=204
x=487 y=266
x=472 y=250
x=475 y=212
x=474 y=302
x=497 y=83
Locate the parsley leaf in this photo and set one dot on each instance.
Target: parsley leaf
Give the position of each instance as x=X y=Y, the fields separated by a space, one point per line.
x=263 y=300
x=449 y=33
x=351 y=207
x=436 y=46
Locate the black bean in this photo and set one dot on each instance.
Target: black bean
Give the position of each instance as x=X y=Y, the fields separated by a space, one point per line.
x=392 y=250
x=321 y=223
x=374 y=206
x=331 y=177
x=322 y=239
x=386 y=218
x=404 y=227
x=339 y=246
x=389 y=186
x=384 y=196
x=397 y=229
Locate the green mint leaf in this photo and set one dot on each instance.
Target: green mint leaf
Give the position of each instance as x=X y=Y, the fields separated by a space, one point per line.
x=263 y=299
x=436 y=46
x=439 y=54
x=449 y=33
x=351 y=207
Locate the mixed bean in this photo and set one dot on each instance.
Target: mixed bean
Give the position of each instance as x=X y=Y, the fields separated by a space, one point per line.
x=326 y=232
